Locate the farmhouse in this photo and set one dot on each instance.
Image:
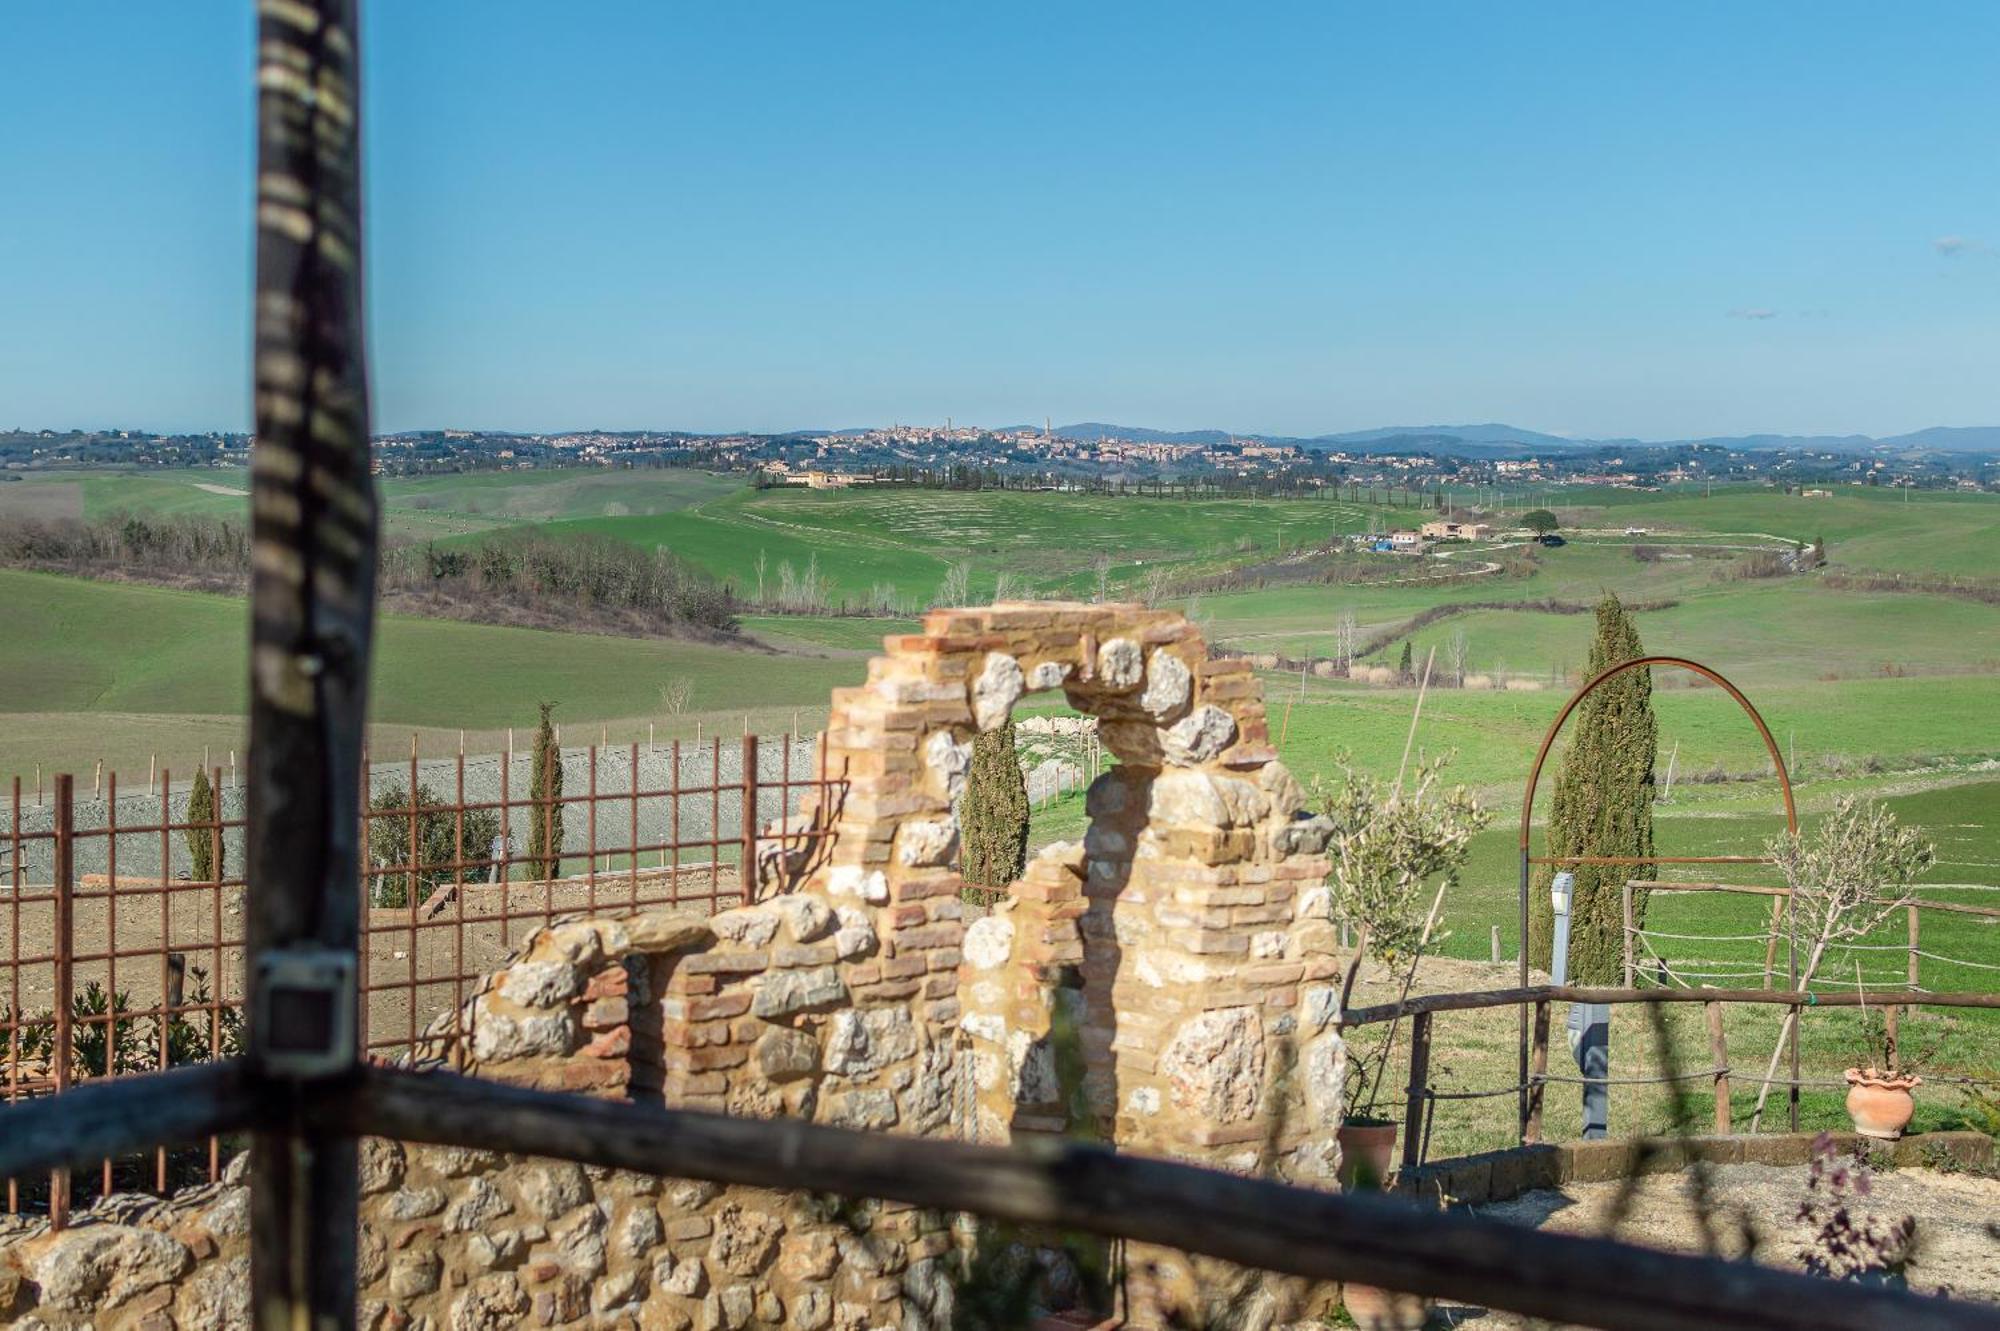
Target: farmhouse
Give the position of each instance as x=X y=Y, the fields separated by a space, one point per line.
x=1446 y=530
x=1406 y=542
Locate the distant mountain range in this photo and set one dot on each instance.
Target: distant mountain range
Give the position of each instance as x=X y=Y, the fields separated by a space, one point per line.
x=1497 y=439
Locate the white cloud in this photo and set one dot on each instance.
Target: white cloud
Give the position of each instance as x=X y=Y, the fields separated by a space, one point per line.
x=1754 y=312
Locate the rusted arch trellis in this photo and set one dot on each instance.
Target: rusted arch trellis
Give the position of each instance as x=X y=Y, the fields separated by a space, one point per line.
x=1528 y=820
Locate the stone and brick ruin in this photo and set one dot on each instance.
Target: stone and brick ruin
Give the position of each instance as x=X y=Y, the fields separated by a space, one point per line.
x=1167 y=986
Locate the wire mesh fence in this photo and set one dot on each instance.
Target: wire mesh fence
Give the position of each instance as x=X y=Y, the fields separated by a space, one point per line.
x=121 y=914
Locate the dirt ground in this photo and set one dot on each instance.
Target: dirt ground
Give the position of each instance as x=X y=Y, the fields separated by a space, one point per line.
x=1958 y=1222
x=419 y=964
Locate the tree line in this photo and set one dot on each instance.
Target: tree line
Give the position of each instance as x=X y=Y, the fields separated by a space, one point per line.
x=582 y=581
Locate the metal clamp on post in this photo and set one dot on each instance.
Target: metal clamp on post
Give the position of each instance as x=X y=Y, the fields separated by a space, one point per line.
x=302 y=1013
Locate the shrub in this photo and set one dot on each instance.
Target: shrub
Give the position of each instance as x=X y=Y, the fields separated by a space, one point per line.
x=446 y=839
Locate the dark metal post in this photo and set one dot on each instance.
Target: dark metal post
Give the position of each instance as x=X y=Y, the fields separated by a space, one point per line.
x=747 y=871
x=1523 y=948
x=65 y=971
x=312 y=595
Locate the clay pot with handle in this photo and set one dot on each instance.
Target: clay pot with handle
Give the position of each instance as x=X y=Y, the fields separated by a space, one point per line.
x=1880 y=1102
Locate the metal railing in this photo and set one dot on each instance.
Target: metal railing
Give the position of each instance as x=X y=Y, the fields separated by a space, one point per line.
x=1421 y=1097
x=121 y=944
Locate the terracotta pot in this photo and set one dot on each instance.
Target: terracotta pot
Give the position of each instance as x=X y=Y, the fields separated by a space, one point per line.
x=1366 y=1151
x=1879 y=1102
x=1383 y=1309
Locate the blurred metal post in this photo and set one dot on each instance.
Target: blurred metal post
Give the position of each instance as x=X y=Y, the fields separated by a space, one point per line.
x=312 y=598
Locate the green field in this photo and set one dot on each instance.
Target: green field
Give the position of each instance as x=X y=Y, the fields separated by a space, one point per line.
x=102 y=670
x=1887 y=677
x=1046 y=543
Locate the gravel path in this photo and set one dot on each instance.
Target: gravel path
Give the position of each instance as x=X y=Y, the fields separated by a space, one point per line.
x=1958 y=1222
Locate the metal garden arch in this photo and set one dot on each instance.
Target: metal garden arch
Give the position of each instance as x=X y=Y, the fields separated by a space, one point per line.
x=1528 y=817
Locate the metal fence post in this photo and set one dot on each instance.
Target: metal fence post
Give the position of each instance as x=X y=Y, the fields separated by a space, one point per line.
x=747 y=871
x=65 y=970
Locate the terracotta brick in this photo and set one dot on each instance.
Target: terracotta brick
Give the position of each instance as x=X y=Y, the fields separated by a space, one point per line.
x=722 y=1005
x=613 y=1043
x=612 y=980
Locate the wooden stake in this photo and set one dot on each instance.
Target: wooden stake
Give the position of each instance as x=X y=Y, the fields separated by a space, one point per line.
x=1718 y=1049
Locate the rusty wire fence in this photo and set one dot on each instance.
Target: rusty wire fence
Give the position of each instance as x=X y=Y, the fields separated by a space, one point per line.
x=121 y=913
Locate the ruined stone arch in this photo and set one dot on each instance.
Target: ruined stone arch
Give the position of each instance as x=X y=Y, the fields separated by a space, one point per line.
x=1166 y=986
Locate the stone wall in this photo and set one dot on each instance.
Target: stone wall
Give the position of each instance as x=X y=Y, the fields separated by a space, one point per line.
x=1166 y=986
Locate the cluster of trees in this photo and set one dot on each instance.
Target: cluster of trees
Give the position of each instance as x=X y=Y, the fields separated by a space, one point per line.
x=564 y=576
x=163 y=545
x=583 y=581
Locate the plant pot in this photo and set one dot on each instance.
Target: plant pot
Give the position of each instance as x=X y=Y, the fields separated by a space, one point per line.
x=1366 y=1151
x=1376 y=1309
x=1880 y=1102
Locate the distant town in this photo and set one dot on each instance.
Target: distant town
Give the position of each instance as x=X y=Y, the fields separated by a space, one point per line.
x=1405 y=466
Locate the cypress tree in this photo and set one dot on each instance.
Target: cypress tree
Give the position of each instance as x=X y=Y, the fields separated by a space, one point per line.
x=1406 y=670
x=545 y=835
x=993 y=816
x=205 y=852
x=1602 y=805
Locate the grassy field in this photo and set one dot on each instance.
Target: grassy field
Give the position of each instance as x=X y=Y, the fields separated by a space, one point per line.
x=1890 y=694
x=83 y=660
x=1047 y=544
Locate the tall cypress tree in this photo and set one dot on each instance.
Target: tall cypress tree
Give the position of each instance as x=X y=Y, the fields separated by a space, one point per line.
x=205 y=853
x=993 y=816
x=545 y=834
x=1406 y=668
x=1602 y=805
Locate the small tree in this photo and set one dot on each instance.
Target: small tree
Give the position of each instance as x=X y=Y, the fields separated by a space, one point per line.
x=1458 y=653
x=1390 y=844
x=545 y=835
x=205 y=849
x=993 y=815
x=676 y=694
x=1406 y=670
x=446 y=839
x=1848 y=879
x=1818 y=558
x=1539 y=521
x=956 y=587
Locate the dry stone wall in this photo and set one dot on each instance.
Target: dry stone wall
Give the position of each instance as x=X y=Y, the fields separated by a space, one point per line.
x=1166 y=985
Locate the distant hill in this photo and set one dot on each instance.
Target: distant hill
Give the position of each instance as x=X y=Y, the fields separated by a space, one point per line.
x=1469 y=434
x=1498 y=439
x=1950 y=439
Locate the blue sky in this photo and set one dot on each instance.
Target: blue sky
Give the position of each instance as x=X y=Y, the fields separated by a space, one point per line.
x=1659 y=220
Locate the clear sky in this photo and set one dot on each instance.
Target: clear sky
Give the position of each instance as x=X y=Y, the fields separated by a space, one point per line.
x=1656 y=220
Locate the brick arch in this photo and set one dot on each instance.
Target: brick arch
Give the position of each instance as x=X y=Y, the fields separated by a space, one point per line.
x=903 y=739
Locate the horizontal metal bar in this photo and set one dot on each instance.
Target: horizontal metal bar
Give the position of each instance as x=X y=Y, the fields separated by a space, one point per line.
x=1258 y=1223
x=1472 y=999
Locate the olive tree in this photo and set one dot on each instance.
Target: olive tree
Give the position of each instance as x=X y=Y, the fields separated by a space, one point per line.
x=1849 y=877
